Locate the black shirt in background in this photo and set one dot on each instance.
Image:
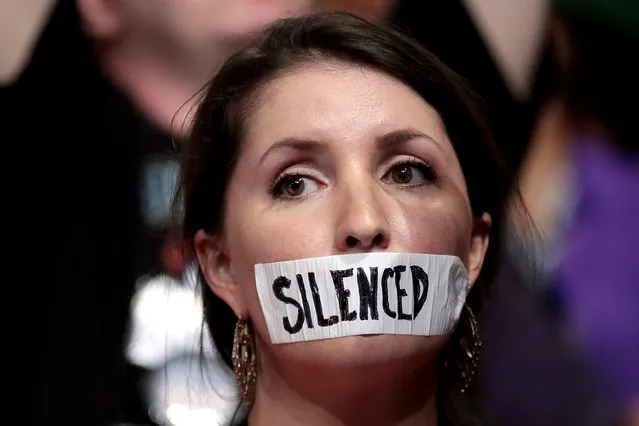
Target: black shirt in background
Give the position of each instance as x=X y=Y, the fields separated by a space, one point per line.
x=81 y=148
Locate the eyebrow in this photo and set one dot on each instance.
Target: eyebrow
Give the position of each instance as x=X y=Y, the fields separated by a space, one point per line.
x=399 y=137
x=396 y=137
x=293 y=143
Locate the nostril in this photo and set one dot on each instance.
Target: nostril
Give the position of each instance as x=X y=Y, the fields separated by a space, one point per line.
x=377 y=240
x=351 y=241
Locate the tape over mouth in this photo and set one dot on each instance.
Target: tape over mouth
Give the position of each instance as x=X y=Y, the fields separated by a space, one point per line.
x=361 y=294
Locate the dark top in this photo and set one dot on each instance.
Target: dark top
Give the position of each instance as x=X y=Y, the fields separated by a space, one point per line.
x=82 y=150
x=532 y=374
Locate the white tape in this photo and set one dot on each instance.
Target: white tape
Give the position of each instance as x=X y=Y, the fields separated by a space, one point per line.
x=357 y=294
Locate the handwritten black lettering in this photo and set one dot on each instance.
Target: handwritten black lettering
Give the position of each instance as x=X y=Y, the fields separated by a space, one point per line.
x=321 y=321
x=420 y=288
x=368 y=284
x=307 y=308
x=386 y=275
x=367 y=293
x=279 y=285
x=343 y=294
x=400 y=292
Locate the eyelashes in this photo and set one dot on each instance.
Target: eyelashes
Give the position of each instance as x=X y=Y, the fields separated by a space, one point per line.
x=410 y=173
x=406 y=173
x=293 y=185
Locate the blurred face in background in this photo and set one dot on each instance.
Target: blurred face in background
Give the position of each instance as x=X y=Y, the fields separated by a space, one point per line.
x=183 y=28
x=197 y=22
x=160 y=52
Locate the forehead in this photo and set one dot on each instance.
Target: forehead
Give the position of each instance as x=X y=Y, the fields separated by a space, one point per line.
x=336 y=101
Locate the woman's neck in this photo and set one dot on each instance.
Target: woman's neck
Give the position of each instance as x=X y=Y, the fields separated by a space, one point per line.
x=379 y=395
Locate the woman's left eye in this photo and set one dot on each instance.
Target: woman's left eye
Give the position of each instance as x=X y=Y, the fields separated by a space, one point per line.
x=409 y=174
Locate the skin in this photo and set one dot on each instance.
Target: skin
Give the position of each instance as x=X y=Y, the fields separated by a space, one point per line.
x=351 y=191
x=160 y=52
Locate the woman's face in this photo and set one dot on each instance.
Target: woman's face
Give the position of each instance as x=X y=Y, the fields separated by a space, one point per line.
x=340 y=159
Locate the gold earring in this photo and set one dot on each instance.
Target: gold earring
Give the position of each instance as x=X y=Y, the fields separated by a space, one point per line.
x=244 y=360
x=471 y=348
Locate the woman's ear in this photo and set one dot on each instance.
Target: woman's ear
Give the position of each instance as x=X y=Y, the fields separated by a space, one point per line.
x=478 y=245
x=215 y=263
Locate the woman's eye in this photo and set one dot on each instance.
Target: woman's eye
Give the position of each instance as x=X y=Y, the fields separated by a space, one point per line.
x=294 y=186
x=410 y=174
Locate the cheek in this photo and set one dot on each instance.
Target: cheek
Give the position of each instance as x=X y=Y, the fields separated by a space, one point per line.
x=271 y=237
x=441 y=227
x=278 y=235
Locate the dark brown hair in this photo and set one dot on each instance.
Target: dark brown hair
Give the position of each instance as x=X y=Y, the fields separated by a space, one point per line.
x=211 y=151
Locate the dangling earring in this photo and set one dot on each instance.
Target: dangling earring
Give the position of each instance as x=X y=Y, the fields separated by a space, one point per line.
x=244 y=360
x=471 y=350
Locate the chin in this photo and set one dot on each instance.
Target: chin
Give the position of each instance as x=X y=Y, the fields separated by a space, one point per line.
x=364 y=351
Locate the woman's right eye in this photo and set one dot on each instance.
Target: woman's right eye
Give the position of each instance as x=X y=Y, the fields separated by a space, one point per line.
x=294 y=186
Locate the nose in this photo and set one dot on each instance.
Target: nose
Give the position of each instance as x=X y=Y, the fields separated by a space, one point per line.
x=362 y=224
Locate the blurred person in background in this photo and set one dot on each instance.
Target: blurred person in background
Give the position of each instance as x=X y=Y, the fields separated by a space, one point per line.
x=580 y=183
x=93 y=97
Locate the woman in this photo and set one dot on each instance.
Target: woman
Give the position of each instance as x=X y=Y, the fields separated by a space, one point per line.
x=330 y=136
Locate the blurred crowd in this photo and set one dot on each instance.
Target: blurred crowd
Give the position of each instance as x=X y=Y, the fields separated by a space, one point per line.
x=96 y=94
